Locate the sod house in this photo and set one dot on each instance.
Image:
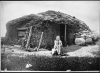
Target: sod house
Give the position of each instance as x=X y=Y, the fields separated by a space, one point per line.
x=51 y=23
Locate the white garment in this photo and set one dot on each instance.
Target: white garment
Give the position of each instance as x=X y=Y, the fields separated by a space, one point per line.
x=53 y=51
x=57 y=46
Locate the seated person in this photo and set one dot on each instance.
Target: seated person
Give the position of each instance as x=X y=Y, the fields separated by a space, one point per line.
x=57 y=45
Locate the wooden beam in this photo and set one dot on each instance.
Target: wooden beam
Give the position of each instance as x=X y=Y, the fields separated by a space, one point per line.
x=40 y=42
x=28 y=40
x=22 y=28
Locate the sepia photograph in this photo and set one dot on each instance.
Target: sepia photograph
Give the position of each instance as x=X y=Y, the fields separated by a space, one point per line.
x=50 y=36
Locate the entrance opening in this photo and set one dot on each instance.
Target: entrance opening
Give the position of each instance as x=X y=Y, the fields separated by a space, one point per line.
x=63 y=35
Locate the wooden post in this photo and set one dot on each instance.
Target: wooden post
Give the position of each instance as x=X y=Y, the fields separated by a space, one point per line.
x=4 y=49
x=65 y=32
x=30 y=33
x=40 y=42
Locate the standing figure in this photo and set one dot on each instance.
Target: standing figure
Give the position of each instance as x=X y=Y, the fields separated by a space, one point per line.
x=24 y=41
x=57 y=45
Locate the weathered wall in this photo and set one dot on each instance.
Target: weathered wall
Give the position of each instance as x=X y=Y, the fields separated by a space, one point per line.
x=49 y=36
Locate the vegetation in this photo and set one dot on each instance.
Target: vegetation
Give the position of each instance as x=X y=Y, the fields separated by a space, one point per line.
x=44 y=63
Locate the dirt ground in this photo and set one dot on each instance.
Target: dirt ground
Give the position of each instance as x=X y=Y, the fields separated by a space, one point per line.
x=44 y=52
x=73 y=50
x=66 y=49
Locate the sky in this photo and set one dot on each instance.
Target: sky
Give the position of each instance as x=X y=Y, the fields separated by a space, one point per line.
x=87 y=11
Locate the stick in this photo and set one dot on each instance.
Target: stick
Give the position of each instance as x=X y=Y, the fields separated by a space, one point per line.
x=30 y=33
x=40 y=42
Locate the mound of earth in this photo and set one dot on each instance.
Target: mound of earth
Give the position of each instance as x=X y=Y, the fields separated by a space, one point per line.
x=88 y=51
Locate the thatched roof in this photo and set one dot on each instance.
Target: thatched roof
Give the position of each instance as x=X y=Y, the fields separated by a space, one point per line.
x=40 y=19
x=53 y=16
x=58 y=18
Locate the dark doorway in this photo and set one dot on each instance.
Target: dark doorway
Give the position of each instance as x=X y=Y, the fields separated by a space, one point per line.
x=63 y=35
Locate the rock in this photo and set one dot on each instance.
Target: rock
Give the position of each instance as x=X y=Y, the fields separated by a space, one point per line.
x=5 y=69
x=28 y=65
x=68 y=70
x=90 y=62
x=79 y=41
x=88 y=40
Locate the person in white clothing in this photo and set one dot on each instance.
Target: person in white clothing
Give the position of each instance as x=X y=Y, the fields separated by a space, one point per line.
x=57 y=45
